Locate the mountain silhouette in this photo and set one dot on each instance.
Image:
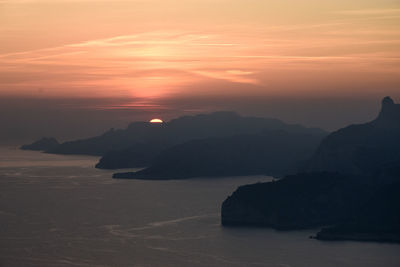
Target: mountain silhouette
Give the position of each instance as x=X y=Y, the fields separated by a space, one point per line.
x=351 y=183
x=273 y=153
x=295 y=202
x=44 y=144
x=364 y=149
x=141 y=151
x=141 y=142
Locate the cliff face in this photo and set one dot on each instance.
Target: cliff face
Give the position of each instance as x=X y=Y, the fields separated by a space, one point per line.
x=295 y=202
x=352 y=184
x=377 y=220
x=354 y=208
x=365 y=149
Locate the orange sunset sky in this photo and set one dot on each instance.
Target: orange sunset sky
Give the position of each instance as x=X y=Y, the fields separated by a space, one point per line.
x=149 y=52
x=157 y=48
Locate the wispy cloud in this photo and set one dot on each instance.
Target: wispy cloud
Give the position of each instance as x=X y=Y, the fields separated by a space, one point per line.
x=371 y=11
x=138 y=61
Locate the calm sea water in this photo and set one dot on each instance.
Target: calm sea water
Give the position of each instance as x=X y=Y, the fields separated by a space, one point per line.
x=61 y=211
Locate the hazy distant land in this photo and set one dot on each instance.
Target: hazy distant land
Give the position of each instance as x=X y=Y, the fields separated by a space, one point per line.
x=349 y=179
x=215 y=144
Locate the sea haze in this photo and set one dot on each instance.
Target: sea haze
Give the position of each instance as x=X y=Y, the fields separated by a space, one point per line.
x=61 y=211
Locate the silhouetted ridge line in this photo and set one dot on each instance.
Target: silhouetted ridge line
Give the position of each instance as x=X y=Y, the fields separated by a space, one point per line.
x=44 y=144
x=142 y=142
x=352 y=183
x=363 y=149
x=270 y=153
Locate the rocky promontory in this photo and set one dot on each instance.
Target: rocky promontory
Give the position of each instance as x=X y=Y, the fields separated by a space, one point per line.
x=350 y=186
x=44 y=144
x=274 y=153
x=295 y=202
x=362 y=149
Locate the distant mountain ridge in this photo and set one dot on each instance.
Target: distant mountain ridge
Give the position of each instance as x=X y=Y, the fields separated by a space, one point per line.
x=269 y=153
x=176 y=131
x=187 y=128
x=44 y=144
x=141 y=143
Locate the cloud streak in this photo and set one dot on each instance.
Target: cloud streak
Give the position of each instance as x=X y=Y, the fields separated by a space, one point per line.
x=371 y=11
x=192 y=56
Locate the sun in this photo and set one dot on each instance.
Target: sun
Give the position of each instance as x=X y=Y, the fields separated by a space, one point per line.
x=156 y=121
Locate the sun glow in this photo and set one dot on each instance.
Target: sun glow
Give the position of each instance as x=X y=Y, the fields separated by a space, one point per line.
x=204 y=48
x=156 y=121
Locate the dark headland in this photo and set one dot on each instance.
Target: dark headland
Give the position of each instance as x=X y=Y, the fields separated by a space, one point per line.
x=44 y=144
x=347 y=182
x=272 y=153
x=216 y=144
x=350 y=186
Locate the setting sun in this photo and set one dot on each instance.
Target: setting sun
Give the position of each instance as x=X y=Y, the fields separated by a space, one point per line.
x=282 y=121
x=156 y=121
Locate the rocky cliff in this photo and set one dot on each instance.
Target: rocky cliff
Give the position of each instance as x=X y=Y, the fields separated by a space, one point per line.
x=364 y=149
x=352 y=184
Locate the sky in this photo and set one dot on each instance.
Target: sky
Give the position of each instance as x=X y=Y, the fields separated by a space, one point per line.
x=97 y=64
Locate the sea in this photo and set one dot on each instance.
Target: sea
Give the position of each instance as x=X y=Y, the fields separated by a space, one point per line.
x=59 y=210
